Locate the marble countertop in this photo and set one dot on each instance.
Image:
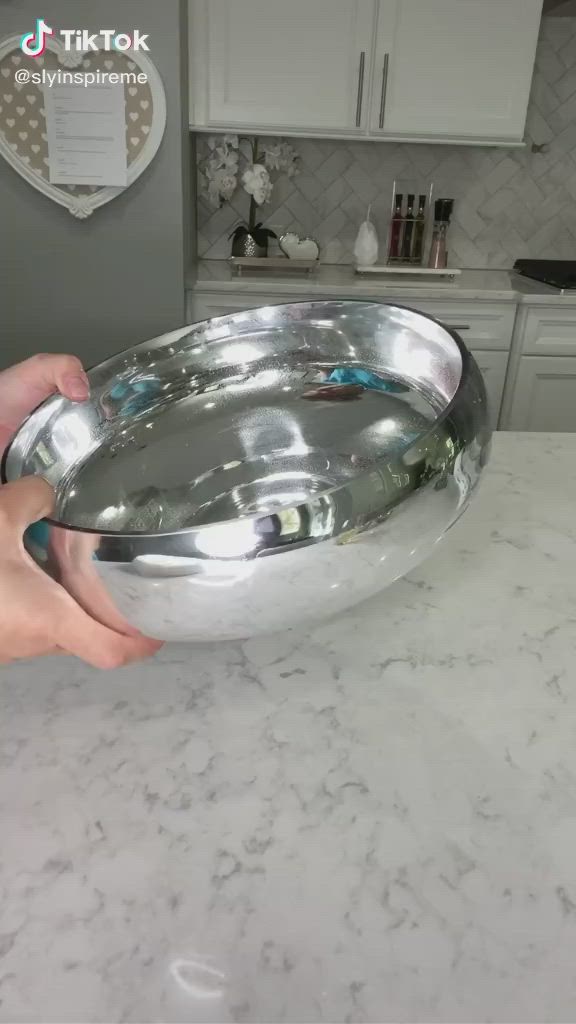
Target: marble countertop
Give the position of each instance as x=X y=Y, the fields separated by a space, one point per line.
x=331 y=279
x=374 y=822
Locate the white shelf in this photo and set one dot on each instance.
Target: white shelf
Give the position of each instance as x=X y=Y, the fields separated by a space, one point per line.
x=408 y=271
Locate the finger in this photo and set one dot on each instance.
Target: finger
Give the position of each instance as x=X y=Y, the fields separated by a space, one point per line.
x=46 y=374
x=23 y=502
x=96 y=644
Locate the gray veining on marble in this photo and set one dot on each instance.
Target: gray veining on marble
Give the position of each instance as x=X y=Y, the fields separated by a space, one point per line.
x=375 y=822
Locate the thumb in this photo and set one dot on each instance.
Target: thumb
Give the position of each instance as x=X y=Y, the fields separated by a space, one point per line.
x=24 y=502
x=47 y=373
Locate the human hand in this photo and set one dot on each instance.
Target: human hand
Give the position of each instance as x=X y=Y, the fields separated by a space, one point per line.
x=37 y=616
x=24 y=386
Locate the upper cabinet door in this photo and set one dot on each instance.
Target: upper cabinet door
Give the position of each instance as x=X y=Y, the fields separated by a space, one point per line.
x=282 y=64
x=460 y=69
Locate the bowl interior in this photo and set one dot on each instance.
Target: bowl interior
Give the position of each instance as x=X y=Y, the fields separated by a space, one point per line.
x=242 y=415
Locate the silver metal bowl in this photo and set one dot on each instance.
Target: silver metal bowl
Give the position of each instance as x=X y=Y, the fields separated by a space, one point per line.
x=257 y=471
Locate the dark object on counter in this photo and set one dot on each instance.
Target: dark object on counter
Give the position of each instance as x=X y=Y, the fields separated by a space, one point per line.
x=419 y=228
x=443 y=210
x=396 y=229
x=408 y=229
x=557 y=273
x=335 y=392
x=251 y=241
x=438 y=258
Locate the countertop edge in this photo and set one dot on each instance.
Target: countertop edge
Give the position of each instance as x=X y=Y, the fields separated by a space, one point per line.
x=519 y=293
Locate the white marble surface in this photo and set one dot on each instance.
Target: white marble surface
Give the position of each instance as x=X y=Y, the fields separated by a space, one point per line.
x=375 y=822
x=331 y=279
x=217 y=276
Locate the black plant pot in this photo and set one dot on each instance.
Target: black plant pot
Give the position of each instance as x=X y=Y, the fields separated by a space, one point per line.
x=246 y=245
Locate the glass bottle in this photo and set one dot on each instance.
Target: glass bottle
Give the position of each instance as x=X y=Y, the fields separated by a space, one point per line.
x=438 y=258
x=408 y=228
x=419 y=228
x=396 y=228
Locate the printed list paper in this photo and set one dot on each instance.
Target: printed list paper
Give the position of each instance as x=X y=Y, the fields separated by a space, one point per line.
x=86 y=134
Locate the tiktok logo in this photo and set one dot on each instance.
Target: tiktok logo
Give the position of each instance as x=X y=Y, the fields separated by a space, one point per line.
x=33 y=44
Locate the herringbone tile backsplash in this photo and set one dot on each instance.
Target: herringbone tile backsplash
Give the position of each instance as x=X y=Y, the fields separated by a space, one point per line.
x=508 y=203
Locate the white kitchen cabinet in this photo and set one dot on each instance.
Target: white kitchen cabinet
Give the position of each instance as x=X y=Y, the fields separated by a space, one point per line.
x=203 y=305
x=548 y=331
x=540 y=391
x=544 y=396
x=482 y=325
x=282 y=65
x=492 y=365
x=454 y=68
x=447 y=70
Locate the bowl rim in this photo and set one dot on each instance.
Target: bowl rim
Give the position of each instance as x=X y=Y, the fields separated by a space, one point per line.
x=466 y=364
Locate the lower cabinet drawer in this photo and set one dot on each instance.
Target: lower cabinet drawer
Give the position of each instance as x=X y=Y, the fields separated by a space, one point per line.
x=548 y=331
x=203 y=306
x=482 y=325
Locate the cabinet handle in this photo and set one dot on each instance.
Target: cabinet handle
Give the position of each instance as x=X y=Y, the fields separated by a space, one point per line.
x=384 y=87
x=360 y=89
x=459 y=327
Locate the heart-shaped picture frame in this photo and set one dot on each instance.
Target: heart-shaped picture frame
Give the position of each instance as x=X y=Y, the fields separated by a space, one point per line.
x=296 y=248
x=23 y=136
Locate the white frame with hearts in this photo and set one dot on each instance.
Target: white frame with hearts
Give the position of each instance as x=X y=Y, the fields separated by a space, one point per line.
x=83 y=206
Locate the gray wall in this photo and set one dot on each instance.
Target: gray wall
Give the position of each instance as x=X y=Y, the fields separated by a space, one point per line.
x=93 y=287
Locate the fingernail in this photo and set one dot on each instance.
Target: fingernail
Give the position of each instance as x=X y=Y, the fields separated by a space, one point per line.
x=77 y=388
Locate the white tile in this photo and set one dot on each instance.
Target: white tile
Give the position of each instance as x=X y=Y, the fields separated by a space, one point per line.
x=364 y=187
x=312 y=153
x=354 y=208
x=283 y=188
x=544 y=236
x=543 y=95
x=468 y=220
x=303 y=211
x=500 y=174
x=308 y=184
x=566 y=112
x=557 y=31
x=497 y=204
x=474 y=195
x=567 y=53
x=220 y=222
x=566 y=86
x=523 y=219
x=537 y=127
x=331 y=227
x=335 y=252
x=202 y=244
x=332 y=197
x=549 y=63
x=371 y=155
x=565 y=142
x=334 y=166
